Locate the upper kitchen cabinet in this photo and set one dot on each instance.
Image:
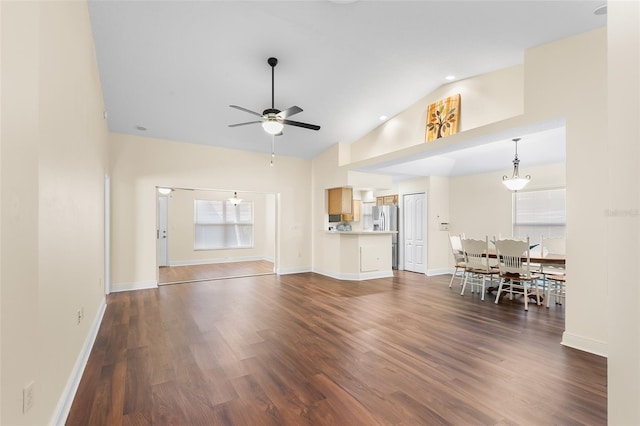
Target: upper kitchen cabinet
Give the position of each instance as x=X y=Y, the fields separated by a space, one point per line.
x=387 y=200
x=355 y=216
x=340 y=201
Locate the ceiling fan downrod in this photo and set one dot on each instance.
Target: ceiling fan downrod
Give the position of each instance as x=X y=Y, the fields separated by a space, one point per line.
x=272 y=62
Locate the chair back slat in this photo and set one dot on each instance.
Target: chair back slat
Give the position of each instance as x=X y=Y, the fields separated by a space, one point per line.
x=476 y=253
x=513 y=257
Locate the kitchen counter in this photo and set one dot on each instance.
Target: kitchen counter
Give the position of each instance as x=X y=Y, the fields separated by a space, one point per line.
x=355 y=255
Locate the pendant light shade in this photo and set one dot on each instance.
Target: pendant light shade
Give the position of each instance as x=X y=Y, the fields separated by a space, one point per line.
x=515 y=182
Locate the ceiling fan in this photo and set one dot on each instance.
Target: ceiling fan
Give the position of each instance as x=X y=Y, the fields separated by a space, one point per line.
x=273 y=119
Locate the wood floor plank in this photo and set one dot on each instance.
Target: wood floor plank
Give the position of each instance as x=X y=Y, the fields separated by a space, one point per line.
x=304 y=349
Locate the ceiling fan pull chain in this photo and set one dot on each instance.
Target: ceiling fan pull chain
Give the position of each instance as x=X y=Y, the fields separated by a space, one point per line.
x=273 y=151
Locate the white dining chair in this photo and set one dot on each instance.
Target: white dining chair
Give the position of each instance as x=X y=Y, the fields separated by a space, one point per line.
x=477 y=267
x=514 y=265
x=458 y=258
x=554 y=276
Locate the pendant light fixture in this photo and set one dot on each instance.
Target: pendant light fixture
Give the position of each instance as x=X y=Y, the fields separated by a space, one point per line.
x=235 y=200
x=515 y=182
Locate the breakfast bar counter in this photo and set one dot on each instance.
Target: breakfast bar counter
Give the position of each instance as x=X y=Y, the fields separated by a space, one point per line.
x=357 y=255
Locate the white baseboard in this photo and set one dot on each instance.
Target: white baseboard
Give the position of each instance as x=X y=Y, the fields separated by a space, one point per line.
x=218 y=260
x=66 y=399
x=143 y=285
x=290 y=271
x=584 y=344
x=355 y=276
x=441 y=271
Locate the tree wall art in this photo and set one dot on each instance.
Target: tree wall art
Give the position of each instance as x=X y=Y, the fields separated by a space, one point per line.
x=442 y=118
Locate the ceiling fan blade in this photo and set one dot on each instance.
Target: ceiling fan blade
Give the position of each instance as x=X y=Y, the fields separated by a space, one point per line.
x=244 y=124
x=246 y=110
x=289 y=112
x=299 y=124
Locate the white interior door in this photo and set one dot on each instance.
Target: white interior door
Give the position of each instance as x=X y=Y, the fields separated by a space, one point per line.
x=162 y=234
x=415 y=230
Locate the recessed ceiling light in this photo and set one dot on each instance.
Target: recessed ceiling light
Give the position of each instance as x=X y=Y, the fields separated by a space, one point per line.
x=600 y=10
x=141 y=128
x=450 y=77
x=383 y=117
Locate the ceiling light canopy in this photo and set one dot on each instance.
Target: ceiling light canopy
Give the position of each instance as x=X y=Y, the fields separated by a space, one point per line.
x=515 y=182
x=235 y=200
x=165 y=191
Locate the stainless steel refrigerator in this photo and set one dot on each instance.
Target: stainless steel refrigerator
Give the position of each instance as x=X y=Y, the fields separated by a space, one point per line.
x=385 y=218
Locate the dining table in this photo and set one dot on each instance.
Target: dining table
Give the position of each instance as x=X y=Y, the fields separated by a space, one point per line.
x=538 y=258
x=544 y=259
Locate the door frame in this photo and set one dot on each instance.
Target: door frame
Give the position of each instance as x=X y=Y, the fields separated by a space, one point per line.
x=276 y=225
x=162 y=212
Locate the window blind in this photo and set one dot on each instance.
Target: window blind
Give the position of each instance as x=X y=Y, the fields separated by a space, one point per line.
x=221 y=225
x=539 y=213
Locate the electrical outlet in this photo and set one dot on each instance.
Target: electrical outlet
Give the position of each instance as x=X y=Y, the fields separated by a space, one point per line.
x=27 y=397
x=79 y=316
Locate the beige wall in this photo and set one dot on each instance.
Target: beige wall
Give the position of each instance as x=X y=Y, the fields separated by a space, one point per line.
x=485 y=99
x=181 y=231
x=622 y=214
x=53 y=158
x=139 y=165
x=326 y=174
x=568 y=79
x=481 y=205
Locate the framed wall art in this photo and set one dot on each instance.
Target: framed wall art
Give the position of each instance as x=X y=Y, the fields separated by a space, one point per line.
x=442 y=118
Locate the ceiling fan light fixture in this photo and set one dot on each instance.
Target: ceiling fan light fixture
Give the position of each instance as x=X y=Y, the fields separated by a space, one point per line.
x=272 y=126
x=515 y=182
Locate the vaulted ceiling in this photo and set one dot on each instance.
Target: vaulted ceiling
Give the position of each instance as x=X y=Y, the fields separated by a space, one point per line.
x=170 y=69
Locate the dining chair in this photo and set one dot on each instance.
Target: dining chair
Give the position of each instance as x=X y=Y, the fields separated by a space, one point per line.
x=477 y=267
x=554 y=276
x=458 y=258
x=514 y=266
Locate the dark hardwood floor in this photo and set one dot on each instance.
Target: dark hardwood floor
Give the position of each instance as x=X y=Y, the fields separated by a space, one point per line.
x=213 y=271
x=309 y=350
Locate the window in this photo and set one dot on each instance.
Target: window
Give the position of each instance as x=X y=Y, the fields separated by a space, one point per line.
x=221 y=225
x=539 y=213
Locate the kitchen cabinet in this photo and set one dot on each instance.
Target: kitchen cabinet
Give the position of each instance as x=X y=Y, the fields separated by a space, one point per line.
x=340 y=201
x=387 y=200
x=355 y=216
